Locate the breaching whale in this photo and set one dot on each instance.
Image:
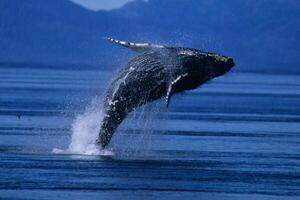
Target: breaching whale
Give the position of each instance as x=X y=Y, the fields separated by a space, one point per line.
x=158 y=71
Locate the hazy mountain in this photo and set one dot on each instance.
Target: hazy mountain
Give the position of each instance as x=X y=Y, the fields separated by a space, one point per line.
x=261 y=35
x=45 y=31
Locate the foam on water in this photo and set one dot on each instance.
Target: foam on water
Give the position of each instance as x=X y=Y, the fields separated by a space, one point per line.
x=85 y=129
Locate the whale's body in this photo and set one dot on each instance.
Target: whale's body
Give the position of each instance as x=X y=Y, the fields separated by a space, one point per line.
x=155 y=73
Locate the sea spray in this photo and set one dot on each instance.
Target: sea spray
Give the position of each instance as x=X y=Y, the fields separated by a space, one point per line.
x=85 y=129
x=133 y=138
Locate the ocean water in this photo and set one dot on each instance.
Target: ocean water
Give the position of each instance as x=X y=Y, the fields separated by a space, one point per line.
x=237 y=137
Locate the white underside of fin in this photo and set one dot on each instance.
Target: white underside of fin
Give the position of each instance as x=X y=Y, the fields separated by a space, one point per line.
x=171 y=86
x=138 y=47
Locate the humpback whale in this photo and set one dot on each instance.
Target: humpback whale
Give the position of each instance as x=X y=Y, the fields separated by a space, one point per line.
x=156 y=72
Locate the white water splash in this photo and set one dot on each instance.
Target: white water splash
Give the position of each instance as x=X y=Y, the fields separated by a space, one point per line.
x=85 y=129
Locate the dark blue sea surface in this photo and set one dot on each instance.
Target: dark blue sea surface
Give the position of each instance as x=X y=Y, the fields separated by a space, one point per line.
x=237 y=137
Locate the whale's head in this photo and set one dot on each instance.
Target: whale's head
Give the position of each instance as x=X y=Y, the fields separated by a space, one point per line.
x=201 y=66
x=220 y=64
x=205 y=64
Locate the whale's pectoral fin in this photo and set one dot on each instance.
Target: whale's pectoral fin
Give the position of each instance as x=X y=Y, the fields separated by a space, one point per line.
x=137 y=47
x=168 y=97
x=172 y=86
